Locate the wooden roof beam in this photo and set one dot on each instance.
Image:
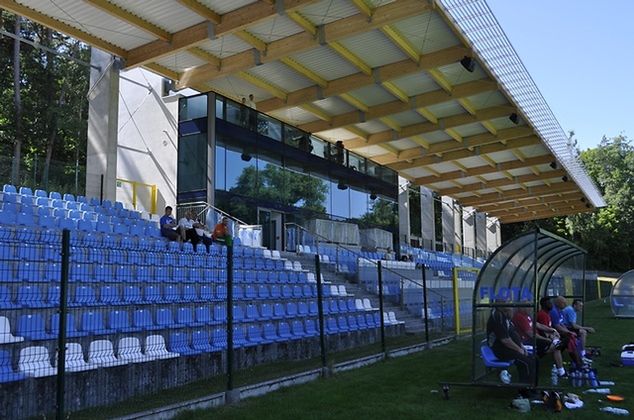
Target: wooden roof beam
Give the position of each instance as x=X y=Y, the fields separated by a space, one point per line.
x=568 y=197
x=329 y=33
x=201 y=10
x=485 y=169
x=544 y=215
x=19 y=9
x=465 y=153
x=516 y=193
x=233 y=21
x=131 y=19
x=476 y=186
x=535 y=208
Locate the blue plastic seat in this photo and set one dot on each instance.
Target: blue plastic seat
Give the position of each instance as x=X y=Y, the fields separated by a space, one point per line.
x=238 y=313
x=52 y=272
x=54 y=195
x=185 y=316
x=331 y=326
x=279 y=312
x=221 y=292
x=491 y=361
x=30 y=297
x=8 y=217
x=71 y=326
x=120 y=322
x=201 y=342
x=302 y=309
x=266 y=312
x=152 y=294
x=311 y=328
x=239 y=337
x=203 y=315
x=284 y=331
x=179 y=343
x=84 y=296
x=219 y=339
x=6 y=301
x=32 y=326
x=103 y=273
x=131 y=295
x=93 y=323
x=206 y=293
x=164 y=318
x=254 y=335
x=69 y=197
x=352 y=323
x=263 y=291
x=361 y=323
x=297 y=329
x=172 y=294
x=189 y=294
x=275 y=291
x=142 y=319
x=7 y=374
x=291 y=309
x=30 y=272
x=252 y=313
x=123 y=273
x=220 y=314
x=109 y=295
x=270 y=333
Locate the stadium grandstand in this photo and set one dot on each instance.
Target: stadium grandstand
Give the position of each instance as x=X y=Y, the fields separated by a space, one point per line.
x=365 y=151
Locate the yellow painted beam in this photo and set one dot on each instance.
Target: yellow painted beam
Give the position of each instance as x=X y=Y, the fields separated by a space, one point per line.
x=363 y=7
x=440 y=79
x=204 y=55
x=467 y=105
x=305 y=71
x=256 y=81
x=201 y=10
x=320 y=113
x=252 y=40
x=396 y=91
x=390 y=149
x=163 y=71
x=488 y=160
x=355 y=130
x=401 y=42
x=354 y=102
x=306 y=24
x=421 y=141
x=427 y=114
x=390 y=123
x=132 y=19
x=351 y=57
x=454 y=134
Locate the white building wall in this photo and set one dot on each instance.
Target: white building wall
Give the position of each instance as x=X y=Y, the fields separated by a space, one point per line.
x=148 y=138
x=403 y=211
x=493 y=234
x=480 y=233
x=448 y=229
x=468 y=227
x=428 y=224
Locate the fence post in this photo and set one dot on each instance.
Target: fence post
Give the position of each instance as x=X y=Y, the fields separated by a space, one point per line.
x=101 y=189
x=402 y=289
x=456 y=300
x=425 y=311
x=230 y=395
x=380 y=278
x=61 y=338
x=320 y=313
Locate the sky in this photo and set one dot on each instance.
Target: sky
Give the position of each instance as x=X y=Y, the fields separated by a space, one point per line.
x=580 y=53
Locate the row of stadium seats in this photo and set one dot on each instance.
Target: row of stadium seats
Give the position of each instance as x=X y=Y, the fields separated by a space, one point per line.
x=33 y=296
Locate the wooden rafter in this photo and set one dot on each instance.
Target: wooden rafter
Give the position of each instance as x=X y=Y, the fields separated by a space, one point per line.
x=503 y=182
x=329 y=33
x=544 y=215
x=465 y=153
x=485 y=169
x=233 y=21
x=19 y=9
x=358 y=80
x=130 y=18
x=394 y=107
x=201 y=10
x=534 y=201
x=427 y=127
x=516 y=193
x=535 y=208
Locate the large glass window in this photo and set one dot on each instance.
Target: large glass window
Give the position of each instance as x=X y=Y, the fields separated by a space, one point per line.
x=192 y=107
x=340 y=200
x=241 y=172
x=220 y=168
x=192 y=163
x=358 y=203
x=414 y=212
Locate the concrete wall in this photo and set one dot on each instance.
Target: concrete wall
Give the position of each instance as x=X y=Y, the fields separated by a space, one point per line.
x=428 y=225
x=457 y=224
x=493 y=234
x=148 y=139
x=403 y=211
x=480 y=233
x=101 y=147
x=468 y=230
x=448 y=229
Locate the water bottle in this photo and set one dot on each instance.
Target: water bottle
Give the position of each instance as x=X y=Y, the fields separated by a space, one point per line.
x=585 y=378
x=614 y=410
x=592 y=377
x=554 y=377
x=576 y=379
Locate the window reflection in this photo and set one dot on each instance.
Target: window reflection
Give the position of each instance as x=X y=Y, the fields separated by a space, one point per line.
x=192 y=107
x=358 y=203
x=340 y=199
x=192 y=163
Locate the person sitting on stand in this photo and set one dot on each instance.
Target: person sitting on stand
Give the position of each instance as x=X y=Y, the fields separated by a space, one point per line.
x=169 y=228
x=193 y=230
x=221 y=232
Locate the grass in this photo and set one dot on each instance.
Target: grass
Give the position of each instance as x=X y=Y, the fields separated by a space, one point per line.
x=407 y=387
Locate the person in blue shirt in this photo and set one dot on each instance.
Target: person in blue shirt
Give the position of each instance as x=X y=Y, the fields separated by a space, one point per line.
x=569 y=314
x=169 y=227
x=559 y=324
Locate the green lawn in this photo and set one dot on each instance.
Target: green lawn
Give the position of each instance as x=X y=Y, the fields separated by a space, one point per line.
x=407 y=387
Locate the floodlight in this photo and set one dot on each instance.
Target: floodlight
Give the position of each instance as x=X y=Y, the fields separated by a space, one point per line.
x=468 y=63
x=515 y=119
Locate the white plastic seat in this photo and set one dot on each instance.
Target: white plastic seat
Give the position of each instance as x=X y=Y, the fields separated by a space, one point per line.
x=288 y=265
x=342 y=290
x=266 y=253
x=101 y=353
x=392 y=317
x=155 y=348
x=297 y=266
x=358 y=303
x=334 y=290
x=276 y=255
x=367 y=305
x=386 y=319
x=307 y=250
x=311 y=278
x=130 y=350
x=75 y=359
x=300 y=249
x=35 y=361
x=324 y=259
x=5 y=332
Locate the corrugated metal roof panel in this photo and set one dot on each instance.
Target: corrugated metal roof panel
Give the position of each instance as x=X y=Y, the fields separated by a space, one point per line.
x=520 y=171
x=225 y=46
x=371 y=151
x=82 y=16
x=436 y=136
x=407 y=118
x=237 y=88
x=470 y=129
x=373 y=126
x=535 y=150
x=472 y=162
x=502 y=156
x=274 y=29
x=281 y=76
x=225 y=6
x=427 y=32
x=334 y=106
x=294 y=116
x=503 y=122
x=180 y=61
x=488 y=99
x=372 y=95
x=416 y=83
x=403 y=144
x=327 y=11
x=326 y=63
x=446 y=109
x=166 y=14
x=456 y=74
x=416 y=172
x=374 y=48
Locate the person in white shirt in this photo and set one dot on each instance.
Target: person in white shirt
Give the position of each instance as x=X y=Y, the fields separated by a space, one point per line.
x=193 y=230
x=253 y=115
x=251 y=102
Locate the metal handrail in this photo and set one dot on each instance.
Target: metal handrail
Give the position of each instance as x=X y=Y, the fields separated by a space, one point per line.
x=211 y=206
x=358 y=255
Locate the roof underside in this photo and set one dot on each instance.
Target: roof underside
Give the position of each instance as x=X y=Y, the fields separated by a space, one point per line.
x=383 y=76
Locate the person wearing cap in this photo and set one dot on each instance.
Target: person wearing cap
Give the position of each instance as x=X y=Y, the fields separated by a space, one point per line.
x=221 y=232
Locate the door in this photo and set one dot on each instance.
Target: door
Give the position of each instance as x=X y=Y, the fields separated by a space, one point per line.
x=271 y=222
